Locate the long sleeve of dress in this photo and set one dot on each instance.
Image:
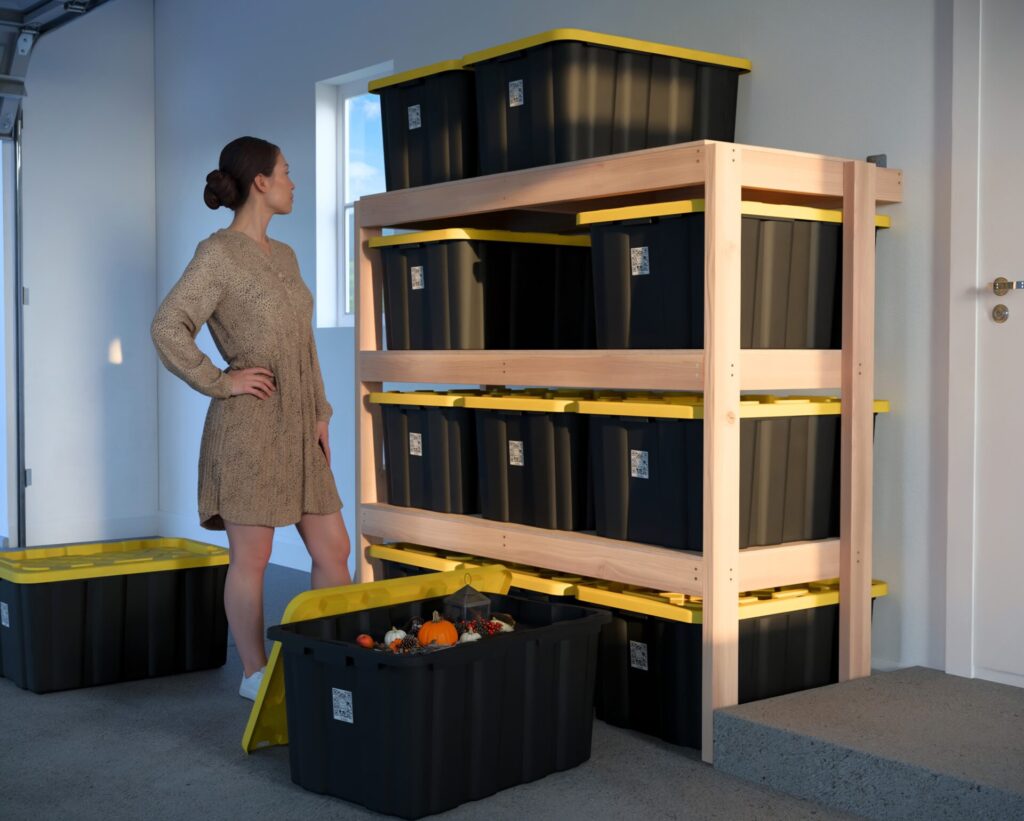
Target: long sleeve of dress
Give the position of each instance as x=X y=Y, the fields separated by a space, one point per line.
x=324 y=411
x=183 y=312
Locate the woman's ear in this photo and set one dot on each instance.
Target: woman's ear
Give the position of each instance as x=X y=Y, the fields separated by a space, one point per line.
x=261 y=183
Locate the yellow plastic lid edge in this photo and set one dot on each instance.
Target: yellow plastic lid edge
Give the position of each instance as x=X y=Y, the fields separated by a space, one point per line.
x=695 y=206
x=416 y=399
x=521 y=403
x=612 y=41
x=414 y=74
x=419 y=559
x=484 y=235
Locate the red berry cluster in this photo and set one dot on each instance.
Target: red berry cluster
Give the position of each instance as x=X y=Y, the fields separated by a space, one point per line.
x=485 y=627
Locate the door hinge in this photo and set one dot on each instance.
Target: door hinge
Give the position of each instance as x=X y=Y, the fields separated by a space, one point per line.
x=28 y=476
x=24 y=295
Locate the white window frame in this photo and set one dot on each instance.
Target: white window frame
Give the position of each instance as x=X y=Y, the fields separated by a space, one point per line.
x=332 y=280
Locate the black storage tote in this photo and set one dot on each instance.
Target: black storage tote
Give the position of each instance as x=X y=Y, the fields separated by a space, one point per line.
x=429 y=450
x=647 y=457
x=428 y=117
x=570 y=94
x=649 y=276
x=466 y=289
x=533 y=461
x=411 y=735
x=87 y=614
x=649 y=665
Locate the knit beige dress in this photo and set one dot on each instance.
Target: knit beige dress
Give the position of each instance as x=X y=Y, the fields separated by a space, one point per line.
x=259 y=462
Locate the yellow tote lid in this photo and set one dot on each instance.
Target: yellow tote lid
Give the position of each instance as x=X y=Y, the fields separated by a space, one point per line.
x=407 y=554
x=37 y=565
x=519 y=402
x=691 y=406
x=415 y=74
x=751 y=605
x=747 y=208
x=422 y=399
x=447 y=234
x=610 y=40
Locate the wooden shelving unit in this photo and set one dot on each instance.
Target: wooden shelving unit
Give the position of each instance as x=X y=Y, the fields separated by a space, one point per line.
x=548 y=198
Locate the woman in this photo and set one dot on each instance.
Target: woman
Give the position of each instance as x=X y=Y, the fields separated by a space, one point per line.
x=264 y=461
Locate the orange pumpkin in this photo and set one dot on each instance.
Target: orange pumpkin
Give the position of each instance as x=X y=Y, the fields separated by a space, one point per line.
x=438 y=630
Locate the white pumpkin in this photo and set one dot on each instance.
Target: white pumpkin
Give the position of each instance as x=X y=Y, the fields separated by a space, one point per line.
x=392 y=635
x=469 y=635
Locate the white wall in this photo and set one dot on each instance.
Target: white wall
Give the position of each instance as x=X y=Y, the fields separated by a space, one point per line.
x=89 y=240
x=848 y=79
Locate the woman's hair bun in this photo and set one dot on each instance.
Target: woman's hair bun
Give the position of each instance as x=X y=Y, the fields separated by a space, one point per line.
x=221 y=189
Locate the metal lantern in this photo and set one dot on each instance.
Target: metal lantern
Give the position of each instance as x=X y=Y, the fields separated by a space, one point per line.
x=467 y=604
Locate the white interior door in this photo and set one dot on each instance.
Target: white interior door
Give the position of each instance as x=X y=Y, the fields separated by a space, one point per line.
x=998 y=617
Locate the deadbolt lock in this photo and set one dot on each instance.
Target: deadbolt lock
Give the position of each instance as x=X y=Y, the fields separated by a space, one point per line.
x=1000 y=314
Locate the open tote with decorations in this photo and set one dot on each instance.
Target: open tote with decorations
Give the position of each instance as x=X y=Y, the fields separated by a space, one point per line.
x=723 y=176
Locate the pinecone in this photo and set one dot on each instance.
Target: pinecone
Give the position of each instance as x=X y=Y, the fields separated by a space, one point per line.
x=408 y=644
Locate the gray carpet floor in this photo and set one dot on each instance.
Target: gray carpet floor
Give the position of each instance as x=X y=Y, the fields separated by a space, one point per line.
x=170 y=748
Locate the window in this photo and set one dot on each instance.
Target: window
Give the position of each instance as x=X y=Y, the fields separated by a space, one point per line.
x=350 y=165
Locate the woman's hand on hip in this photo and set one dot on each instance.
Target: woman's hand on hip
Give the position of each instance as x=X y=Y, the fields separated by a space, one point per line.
x=321 y=436
x=257 y=381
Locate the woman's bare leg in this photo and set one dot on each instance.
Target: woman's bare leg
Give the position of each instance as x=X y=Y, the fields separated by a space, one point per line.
x=250 y=547
x=327 y=541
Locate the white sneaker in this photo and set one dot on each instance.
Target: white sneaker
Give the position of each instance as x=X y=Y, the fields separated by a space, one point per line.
x=250 y=686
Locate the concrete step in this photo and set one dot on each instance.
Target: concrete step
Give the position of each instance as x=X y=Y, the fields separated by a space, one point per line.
x=913 y=743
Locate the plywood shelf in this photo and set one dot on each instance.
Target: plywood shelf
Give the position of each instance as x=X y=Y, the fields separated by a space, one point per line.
x=547 y=198
x=659 y=370
x=654 y=174
x=586 y=554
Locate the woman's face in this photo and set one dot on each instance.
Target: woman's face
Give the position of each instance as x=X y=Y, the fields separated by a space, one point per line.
x=278 y=188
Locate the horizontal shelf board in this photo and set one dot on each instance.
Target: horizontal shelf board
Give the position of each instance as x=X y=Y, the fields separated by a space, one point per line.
x=667 y=370
x=790 y=563
x=653 y=169
x=627 y=370
x=633 y=175
x=578 y=553
x=774 y=169
x=585 y=554
x=790 y=370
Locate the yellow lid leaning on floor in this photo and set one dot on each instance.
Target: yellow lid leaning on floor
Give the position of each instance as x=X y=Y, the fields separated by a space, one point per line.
x=449 y=234
x=415 y=74
x=610 y=40
x=784 y=600
x=268 y=720
x=37 y=565
x=749 y=209
x=690 y=406
x=422 y=399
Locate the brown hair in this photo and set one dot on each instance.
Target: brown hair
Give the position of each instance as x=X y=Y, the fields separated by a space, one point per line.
x=240 y=163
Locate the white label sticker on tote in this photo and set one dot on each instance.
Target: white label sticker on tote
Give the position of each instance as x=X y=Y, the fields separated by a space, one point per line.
x=415 y=118
x=515 y=453
x=638 y=655
x=5 y=615
x=416 y=278
x=639 y=261
x=515 y=93
x=639 y=464
x=415 y=444
x=342 y=703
